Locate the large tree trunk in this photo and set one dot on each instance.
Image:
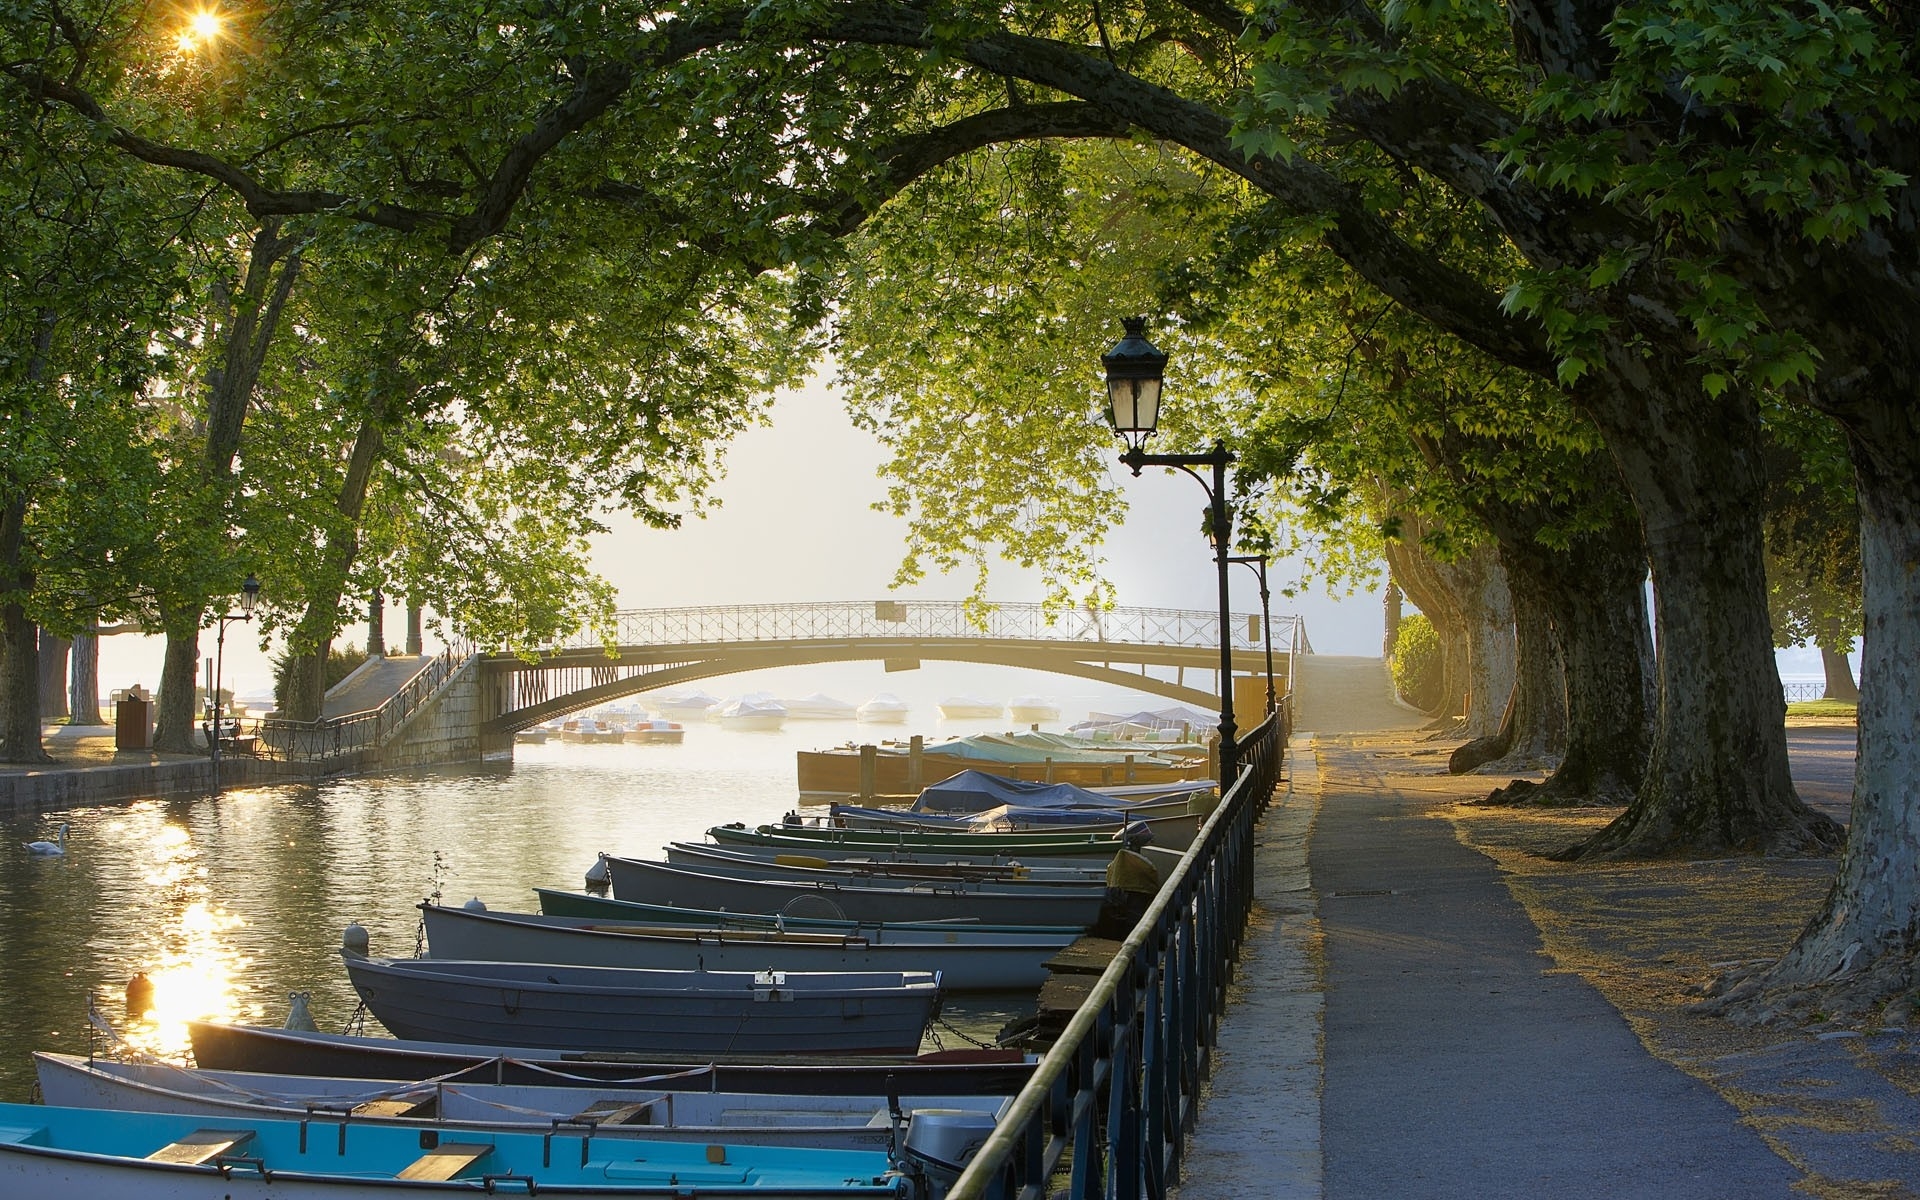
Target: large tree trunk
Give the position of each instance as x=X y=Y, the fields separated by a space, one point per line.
x=1598 y=593
x=305 y=691
x=1833 y=659
x=1717 y=780
x=1534 y=733
x=84 y=694
x=1863 y=947
x=19 y=645
x=253 y=317
x=53 y=677
x=1429 y=593
x=177 y=706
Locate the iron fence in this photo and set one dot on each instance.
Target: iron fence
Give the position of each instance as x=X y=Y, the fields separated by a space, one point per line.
x=1113 y=1099
x=333 y=738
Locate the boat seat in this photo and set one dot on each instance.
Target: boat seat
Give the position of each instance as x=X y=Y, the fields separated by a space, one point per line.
x=445 y=1161
x=200 y=1146
x=615 y=1112
x=395 y=1108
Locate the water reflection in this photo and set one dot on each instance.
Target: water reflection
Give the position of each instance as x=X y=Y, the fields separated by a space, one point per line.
x=228 y=906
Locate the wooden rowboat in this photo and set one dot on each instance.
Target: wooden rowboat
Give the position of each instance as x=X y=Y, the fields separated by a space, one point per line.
x=646 y=1012
x=51 y=1151
x=973 y=962
x=459 y=1110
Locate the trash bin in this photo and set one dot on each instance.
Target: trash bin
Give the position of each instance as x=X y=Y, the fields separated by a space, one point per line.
x=132 y=719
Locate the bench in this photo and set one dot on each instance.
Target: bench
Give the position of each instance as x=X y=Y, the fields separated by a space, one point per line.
x=200 y=1146
x=615 y=1112
x=445 y=1161
x=395 y=1108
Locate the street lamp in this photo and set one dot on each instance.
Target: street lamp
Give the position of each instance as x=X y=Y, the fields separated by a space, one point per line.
x=1135 y=370
x=249 y=593
x=1258 y=564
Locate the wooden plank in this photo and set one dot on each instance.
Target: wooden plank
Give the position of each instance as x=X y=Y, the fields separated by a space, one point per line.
x=395 y=1108
x=445 y=1161
x=1086 y=956
x=201 y=1145
x=615 y=1112
x=1065 y=993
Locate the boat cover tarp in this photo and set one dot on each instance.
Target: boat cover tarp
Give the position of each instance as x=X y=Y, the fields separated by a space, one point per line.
x=976 y=791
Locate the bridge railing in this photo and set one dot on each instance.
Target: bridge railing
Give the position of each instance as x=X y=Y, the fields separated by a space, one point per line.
x=1117 y=1091
x=929 y=619
x=313 y=742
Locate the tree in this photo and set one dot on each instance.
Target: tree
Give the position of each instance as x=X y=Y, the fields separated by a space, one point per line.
x=1698 y=206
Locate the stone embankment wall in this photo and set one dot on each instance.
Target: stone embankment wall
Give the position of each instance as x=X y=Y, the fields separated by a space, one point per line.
x=446 y=729
x=58 y=788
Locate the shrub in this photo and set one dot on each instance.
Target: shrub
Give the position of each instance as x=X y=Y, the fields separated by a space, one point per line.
x=1417 y=670
x=340 y=664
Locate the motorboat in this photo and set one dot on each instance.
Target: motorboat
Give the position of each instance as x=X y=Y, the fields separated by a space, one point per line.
x=968 y=708
x=884 y=708
x=685 y=704
x=1032 y=710
x=753 y=711
x=819 y=707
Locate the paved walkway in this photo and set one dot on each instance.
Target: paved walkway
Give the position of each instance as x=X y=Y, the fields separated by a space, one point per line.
x=1398 y=1032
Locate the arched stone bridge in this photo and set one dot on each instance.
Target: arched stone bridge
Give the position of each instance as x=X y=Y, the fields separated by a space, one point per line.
x=664 y=647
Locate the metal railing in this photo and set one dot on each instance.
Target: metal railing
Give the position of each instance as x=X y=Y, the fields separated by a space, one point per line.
x=926 y=620
x=1114 y=1098
x=338 y=737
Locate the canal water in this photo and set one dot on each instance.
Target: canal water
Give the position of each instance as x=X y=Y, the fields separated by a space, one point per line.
x=230 y=904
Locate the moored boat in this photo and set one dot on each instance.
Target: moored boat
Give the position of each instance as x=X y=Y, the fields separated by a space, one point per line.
x=296 y=1052
x=755 y=711
x=554 y=902
x=646 y=1012
x=819 y=707
x=451 y=1109
x=1097 y=843
x=884 y=708
x=694 y=703
x=1004 y=962
x=783 y=865
x=662 y=883
x=1032 y=710
x=967 y=708
x=657 y=731
x=52 y=1151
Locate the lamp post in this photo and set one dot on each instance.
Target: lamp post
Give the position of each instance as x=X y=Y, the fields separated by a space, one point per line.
x=1135 y=370
x=249 y=593
x=1258 y=564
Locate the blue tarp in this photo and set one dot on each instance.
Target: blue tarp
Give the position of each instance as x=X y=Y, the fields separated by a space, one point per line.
x=976 y=791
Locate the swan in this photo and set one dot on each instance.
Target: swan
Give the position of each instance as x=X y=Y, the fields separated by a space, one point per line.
x=54 y=847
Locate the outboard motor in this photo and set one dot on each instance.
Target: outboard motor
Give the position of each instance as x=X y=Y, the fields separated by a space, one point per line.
x=940 y=1142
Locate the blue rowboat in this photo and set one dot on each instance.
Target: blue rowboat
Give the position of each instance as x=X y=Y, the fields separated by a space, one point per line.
x=52 y=1151
x=646 y=1012
x=458 y=1110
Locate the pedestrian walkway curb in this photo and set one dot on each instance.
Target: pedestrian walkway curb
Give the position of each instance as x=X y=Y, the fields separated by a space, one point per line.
x=1257 y=1132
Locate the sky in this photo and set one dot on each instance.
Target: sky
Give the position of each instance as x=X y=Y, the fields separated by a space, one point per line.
x=796 y=523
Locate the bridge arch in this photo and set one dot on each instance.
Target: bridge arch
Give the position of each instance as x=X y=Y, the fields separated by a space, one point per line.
x=658 y=648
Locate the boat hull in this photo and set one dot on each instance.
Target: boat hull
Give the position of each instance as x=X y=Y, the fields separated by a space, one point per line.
x=857 y=1121
x=640 y=1012
x=50 y=1151
x=557 y=903
x=836 y=773
x=293 y=1052
x=964 y=963
x=659 y=883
